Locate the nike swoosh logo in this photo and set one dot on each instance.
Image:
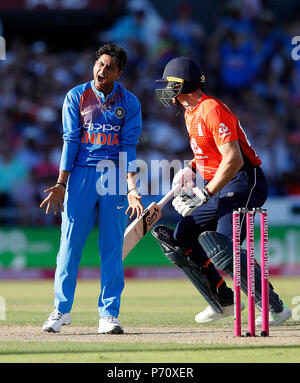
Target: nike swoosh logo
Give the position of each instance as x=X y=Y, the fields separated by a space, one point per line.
x=120 y=207
x=83 y=113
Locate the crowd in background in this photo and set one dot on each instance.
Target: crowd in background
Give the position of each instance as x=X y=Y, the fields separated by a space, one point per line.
x=248 y=65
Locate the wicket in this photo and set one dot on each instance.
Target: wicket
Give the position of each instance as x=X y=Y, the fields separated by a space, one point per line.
x=236 y=224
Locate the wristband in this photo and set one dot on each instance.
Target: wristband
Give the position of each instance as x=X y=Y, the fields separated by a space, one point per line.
x=209 y=193
x=130 y=190
x=61 y=183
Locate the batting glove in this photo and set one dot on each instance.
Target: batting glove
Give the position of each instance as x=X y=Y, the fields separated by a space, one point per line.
x=184 y=177
x=190 y=199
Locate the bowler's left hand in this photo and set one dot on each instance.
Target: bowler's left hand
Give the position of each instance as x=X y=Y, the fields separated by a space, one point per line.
x=135 y=205
x=189 y=199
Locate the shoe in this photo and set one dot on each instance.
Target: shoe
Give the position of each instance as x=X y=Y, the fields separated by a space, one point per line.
x=109 y=325
x=55 y=321
x=275 y=319
x=210 y=315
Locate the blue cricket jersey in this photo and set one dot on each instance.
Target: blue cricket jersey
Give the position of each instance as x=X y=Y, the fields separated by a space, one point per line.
x=98 y=128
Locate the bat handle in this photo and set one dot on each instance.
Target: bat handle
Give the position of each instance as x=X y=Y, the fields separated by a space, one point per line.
x=168 y=196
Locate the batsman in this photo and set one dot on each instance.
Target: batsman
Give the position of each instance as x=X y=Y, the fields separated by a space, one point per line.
x=230 y=169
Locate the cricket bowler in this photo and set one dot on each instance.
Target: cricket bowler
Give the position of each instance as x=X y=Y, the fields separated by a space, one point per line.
x=101 y=119
x=202 y=240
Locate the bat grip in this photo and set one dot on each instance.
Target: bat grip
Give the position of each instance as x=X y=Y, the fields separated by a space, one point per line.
x=168 y=196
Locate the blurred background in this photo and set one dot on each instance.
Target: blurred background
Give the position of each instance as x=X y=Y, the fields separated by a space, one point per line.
x=245 y=48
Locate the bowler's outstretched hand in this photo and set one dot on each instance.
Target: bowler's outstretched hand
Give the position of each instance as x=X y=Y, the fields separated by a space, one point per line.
x=54 y=199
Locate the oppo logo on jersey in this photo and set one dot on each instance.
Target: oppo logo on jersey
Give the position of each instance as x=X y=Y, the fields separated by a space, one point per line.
x=101 y=127
x=92 y=135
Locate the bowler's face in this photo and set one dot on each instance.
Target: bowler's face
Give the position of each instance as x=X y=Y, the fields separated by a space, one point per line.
x=106 y=72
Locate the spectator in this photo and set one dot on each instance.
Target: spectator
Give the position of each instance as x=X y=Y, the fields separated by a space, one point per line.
x=237 y=60
x=13 y=174
x=248 y=54
x=187 y=33
x=141 y=23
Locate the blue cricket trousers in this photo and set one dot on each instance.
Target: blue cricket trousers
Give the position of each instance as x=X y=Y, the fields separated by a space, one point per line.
x=247 y=189
x=81 y=207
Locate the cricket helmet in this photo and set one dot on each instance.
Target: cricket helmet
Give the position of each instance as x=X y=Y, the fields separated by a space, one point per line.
x=182 y=75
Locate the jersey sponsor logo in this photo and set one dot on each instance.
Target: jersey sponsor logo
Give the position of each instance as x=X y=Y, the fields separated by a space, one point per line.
x=223 y=130
x=95 y=127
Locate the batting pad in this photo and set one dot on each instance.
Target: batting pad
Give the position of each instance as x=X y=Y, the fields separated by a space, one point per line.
x=219 y=250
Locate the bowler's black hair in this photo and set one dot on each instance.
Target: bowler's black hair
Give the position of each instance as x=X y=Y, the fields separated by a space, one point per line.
x=115 y=51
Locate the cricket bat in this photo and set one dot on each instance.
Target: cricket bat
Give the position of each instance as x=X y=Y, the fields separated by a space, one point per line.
x=140 y=226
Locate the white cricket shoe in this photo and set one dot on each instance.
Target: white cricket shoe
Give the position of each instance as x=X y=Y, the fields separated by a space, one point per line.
x=109 y=325
x=210 y=315
x=55 y=321
x=275 y=319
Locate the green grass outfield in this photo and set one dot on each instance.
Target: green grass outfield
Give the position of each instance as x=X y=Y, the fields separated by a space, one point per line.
x=151 y=304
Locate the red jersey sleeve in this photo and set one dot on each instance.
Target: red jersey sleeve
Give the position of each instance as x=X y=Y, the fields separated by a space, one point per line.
x=220 y=121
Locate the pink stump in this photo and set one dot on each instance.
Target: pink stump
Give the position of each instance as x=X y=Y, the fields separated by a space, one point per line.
x=264 y=272
x=250 y=272
x=237 y=271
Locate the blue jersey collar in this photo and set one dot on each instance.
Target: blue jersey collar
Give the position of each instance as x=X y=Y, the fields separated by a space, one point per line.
x=101 y=94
